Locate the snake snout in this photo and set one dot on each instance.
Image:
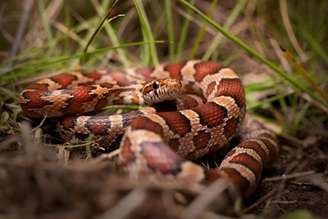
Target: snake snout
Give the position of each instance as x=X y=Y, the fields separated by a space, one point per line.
x=161 y=90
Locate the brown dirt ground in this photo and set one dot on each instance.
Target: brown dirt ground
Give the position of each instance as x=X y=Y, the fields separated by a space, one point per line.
x=35 y=185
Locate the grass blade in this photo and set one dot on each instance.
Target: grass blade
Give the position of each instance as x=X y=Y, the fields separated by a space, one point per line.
x=150 y=49
x=170 y=29
x=251 y=51
x=315 y=45
x=305 y=74
x=30 y=69
x=183 y=35
x=230 y=20
x=201 y=33
x=112 y=34
x=108 y=16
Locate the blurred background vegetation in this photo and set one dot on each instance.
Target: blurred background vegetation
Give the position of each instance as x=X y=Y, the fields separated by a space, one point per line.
x=279 y=47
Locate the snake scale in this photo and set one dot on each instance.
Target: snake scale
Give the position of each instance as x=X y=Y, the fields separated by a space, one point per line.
x=210 y=113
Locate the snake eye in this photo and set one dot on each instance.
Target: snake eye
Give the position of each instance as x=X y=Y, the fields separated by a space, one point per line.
x=155 y=85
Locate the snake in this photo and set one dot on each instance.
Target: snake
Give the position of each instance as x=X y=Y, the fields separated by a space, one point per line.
x=210 y=111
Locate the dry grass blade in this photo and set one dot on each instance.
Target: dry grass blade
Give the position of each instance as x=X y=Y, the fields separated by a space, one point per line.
x=286 y=62
x=199 y=24
x=27 y=9
x=315 y=103
x=229 y=21
x=305 y=74
x=289 y=176
x=5 y=144
x=214 y=192
x=276 y=48
x=54 y=9
x=201 y=33
x=107 y=17
x=319 y=181
x=66 y=30
x=289 y=29
x=126 y=206
x=32 y=149
x=260 y=201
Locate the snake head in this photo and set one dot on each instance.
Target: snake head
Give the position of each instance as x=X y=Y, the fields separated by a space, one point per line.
x=161 y=90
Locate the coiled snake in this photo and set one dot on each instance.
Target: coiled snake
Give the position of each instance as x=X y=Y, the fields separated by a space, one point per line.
x=210 y=113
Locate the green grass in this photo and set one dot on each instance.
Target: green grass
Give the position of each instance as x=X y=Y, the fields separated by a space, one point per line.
x=201 y=33
x=170 y=29
x=150 y=52
x=183 y=36
x=111 y=33
x=219 y=37
x=284 y=75
x=33 y=67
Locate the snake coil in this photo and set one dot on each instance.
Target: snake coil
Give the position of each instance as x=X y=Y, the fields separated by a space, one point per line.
x=209 y=116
